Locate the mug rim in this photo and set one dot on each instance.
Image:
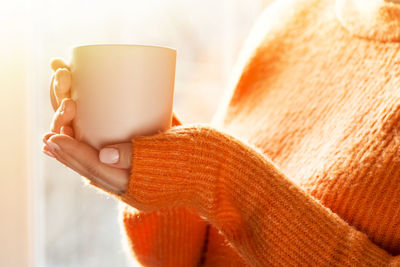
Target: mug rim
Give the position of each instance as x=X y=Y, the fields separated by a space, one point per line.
x=80 y=46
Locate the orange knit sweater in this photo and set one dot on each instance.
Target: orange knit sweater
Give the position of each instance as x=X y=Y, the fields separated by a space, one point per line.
x=300 y=166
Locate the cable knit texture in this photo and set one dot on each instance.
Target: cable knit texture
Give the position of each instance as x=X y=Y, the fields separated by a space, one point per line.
x=301 y=164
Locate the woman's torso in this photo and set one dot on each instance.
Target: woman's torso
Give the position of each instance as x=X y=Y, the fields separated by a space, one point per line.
x=324 y=105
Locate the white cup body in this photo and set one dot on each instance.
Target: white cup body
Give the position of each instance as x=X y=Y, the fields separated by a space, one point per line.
x=121 y=91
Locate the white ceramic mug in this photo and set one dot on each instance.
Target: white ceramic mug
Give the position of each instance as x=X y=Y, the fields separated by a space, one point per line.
x=121 y=91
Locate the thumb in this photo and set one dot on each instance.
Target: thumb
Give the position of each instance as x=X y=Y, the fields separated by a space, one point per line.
x=118 y=155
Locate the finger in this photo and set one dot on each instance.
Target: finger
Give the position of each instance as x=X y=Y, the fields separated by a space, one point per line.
x=53 y=99
x=84 y=159
x=62 y=84
x=73 y=164
x=57 y=63
x=64 y=115
x=67 y=130
x=46 y=150
x=46 y=137
x=118 y=155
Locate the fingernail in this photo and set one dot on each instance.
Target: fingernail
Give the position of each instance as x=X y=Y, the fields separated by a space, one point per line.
x=109 y=155
x=46 y=137
x=48 y=153
x=53 y=146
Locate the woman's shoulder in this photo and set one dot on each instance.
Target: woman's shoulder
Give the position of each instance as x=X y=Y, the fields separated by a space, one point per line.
x=271 y=37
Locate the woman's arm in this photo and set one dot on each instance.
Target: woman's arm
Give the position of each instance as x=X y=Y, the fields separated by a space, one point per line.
x=267 y=218
x=264 y=216
x=176 y=236
x=167 y=237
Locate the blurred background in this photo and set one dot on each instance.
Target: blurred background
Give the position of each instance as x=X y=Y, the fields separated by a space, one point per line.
x=49 y=217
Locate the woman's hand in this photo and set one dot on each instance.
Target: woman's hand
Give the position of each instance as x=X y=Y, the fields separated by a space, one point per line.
x=60 y=82
x=108 y=168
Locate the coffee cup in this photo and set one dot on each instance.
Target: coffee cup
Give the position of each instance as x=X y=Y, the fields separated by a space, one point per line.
x=121 y=91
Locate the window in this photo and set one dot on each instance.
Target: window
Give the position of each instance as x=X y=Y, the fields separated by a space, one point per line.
x=75 y=225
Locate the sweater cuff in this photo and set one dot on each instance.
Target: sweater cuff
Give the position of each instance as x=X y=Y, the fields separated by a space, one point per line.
x=174 y=168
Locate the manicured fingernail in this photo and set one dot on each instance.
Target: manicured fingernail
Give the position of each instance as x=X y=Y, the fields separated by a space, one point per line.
x=53 y=146
x=48 y=153
x=109 y=155
x=46 y=137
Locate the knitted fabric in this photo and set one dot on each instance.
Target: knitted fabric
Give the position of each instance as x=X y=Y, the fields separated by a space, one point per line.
x=301 y=164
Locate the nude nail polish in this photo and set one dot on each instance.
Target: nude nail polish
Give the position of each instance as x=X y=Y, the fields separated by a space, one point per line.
x=53 y=146
x=109 y=155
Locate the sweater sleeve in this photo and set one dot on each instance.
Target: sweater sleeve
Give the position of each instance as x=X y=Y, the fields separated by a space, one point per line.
x=165 y=237
x=267 y=218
